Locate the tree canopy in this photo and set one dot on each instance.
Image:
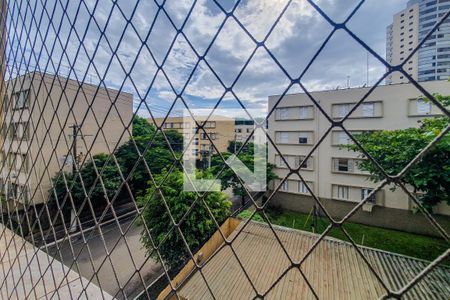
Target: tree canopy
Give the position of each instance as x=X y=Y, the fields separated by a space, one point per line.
x=394 y=149
x=158 y=157
x=228 y=177
x=197 y=227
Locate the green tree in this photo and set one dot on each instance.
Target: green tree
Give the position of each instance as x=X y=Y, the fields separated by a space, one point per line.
x=197 y=227
x=394 y=149
x=99 y=188
x=234 y=146
x=142 y=128
x=158 y=155
x=228 y=177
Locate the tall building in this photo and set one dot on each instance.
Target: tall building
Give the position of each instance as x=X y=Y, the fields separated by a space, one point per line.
x=332 y=172
x=220 y=130
x=409 y=27
x=40 y=110
x=434 y=55
x=401 y=40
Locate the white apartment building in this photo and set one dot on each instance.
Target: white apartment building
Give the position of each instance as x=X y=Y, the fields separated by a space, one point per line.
x=332 y=172
x=243 y=128
x=401 y=39
x=39 y=110
x=409 y=27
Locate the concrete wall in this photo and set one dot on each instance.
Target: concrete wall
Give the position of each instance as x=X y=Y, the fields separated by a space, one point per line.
x=392 y=218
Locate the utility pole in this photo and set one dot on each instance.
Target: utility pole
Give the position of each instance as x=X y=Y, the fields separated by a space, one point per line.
x=73 y=213
x=74 y=148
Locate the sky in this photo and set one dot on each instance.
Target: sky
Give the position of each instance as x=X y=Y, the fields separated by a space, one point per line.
x=143 y=41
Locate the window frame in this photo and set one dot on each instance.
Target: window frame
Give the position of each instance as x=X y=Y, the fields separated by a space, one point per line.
x=343 y=192
x=17 y=96
x=302 y=188
x=363 y=108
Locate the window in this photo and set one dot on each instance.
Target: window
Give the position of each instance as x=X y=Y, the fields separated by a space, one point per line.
x=365 y=192
x=303 y=140
x=342 y=110
x=423 y=107
x=212 y=135
x=304 y=112
x=285 y=186
x=12 y=191
x=280 y=162
x=19 y=131
x=15 y=190
x=283 y=137
x=302 y=189
x=368 y=109
x=343 y=165
x=343 y=138
x=239 y=130
x=283 y=113
x=18 y=161
x=21 y=99
x=342 y=192
x=299 y=159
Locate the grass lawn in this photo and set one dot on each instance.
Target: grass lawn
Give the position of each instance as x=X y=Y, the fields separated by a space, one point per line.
x=420 y=246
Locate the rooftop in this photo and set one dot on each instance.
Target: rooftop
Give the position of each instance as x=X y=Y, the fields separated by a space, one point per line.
x=334 y=269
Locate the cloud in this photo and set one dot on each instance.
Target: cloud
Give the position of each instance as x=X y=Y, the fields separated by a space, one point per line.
x=293 y=42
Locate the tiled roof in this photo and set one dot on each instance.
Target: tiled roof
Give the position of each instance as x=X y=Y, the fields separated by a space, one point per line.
x=334 y=269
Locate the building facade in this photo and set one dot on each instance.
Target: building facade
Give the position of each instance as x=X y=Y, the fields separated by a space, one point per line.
x=243 y=129
x=40 y=110
x=220 y=129
x=409 y=27
x=332 y=172
x=401 y=40
x=434 y=55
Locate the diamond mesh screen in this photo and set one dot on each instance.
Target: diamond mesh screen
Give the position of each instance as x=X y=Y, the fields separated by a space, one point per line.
x=88 y=164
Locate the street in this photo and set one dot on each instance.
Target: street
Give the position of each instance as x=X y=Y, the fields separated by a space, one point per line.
x=118 y=270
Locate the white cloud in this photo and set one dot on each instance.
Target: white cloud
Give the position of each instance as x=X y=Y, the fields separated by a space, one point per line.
x=293 y=42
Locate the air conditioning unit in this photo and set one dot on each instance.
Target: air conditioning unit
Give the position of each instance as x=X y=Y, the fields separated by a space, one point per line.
x=368 y=206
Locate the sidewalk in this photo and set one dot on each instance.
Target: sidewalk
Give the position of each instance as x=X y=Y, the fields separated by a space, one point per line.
x=29 y=273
